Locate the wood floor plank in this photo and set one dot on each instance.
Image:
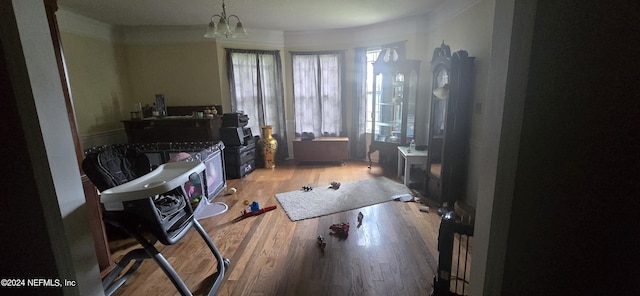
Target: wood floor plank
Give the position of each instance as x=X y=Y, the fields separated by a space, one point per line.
x=393 y=252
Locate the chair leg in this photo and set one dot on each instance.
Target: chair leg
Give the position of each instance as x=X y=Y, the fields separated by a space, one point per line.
x=150 y=251
x=164 y=265
x=223 y=263
x=110 y=284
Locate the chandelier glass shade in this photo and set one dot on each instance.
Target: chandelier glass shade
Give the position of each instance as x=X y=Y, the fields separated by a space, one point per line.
x=223 y=28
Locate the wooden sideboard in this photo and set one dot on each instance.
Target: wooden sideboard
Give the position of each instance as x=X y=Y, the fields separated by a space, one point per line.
x=173 y=129
x=321 y=149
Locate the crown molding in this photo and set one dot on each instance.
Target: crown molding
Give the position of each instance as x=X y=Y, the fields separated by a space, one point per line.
x=70 y=22
x=80 y=25
x=192 y=34
x=445 y=12
x=372 y=34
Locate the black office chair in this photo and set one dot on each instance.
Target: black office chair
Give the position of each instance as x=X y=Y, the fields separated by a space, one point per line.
x=166 y=214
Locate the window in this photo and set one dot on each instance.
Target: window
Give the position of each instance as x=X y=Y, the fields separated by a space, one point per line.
x=372 y=55
x=255 y=79
x=317 y=92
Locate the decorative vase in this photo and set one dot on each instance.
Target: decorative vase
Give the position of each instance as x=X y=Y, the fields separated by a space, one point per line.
x=269 y=146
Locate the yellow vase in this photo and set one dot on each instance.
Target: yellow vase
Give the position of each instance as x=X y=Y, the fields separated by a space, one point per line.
x=269 y=146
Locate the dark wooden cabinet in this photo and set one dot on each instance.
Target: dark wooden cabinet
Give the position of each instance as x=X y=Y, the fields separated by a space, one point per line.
x=449 y=125
x=173 y=129
x=395 y=92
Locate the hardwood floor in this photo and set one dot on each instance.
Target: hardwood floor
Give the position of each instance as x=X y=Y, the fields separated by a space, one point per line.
x=393 y=253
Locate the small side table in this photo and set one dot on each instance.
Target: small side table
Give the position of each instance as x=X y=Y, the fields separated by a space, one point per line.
x=410 y=158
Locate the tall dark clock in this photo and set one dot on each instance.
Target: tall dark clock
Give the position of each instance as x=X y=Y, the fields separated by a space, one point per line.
x=449 y=125
x=395 y=95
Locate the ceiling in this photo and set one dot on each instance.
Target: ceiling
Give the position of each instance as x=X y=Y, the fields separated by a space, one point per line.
x=281 y=15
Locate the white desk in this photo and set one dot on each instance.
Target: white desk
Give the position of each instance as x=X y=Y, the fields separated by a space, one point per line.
x=410 y=158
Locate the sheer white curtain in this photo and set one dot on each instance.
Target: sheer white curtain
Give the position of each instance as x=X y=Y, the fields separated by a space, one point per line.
x=255 y=79
x=270 y=87
x=357 y=134
x=317 y=91
x=245 y=98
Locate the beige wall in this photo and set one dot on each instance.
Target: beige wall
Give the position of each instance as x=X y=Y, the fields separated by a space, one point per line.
x=186 y=73
x=98 y=83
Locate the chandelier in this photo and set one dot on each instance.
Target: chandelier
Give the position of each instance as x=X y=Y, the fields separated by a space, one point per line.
x=222 y=29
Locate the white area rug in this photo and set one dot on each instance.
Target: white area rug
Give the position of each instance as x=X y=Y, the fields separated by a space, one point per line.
x=322 y=201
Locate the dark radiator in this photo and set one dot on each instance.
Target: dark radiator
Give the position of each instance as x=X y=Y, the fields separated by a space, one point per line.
x=454 y=261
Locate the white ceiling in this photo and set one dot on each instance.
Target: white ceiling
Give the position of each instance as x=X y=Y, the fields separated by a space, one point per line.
x=283 y=15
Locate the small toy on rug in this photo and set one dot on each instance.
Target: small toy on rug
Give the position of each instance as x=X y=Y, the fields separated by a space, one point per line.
x=253 y=210
x=335 y=185
x=246 y=202
x=341 y=229
x=321 y=243
x=360 y=217
x=232 y=191
x=307 y=188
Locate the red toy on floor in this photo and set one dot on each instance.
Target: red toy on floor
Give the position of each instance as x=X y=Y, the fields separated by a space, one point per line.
x=341 y=229
x=253 y=210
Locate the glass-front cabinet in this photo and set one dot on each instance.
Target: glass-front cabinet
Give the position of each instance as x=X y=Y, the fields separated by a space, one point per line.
x=395 y=92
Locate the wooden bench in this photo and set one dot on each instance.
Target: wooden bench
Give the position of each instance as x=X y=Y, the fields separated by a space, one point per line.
x=321 y=149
